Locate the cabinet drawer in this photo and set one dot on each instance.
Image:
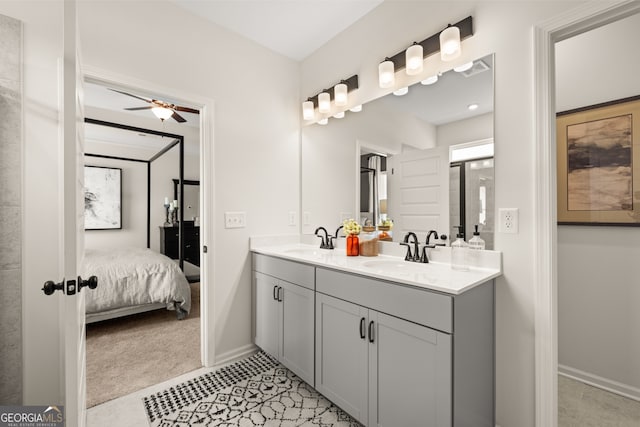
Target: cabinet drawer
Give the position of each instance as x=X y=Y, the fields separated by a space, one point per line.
x=293 y=272
x=426 y=308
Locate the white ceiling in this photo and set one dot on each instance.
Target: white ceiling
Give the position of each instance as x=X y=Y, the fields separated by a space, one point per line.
x=293 y=28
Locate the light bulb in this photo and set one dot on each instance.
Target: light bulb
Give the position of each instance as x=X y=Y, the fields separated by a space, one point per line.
x=450 y=44
x=340 y=95
x=307 y=110
x=414 y=59
x=386 y=74
x=324 y=102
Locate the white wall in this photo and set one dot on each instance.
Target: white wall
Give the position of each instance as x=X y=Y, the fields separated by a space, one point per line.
x=506 y=29
x=256 y=137
x=469 y=130
x=598 y=292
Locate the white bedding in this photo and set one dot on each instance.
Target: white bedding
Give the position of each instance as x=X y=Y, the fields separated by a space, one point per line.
x=134 y=276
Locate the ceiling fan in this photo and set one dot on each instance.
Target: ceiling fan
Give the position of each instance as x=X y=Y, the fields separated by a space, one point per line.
x=162 y=110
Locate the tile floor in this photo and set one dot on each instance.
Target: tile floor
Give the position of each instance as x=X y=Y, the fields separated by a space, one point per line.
x=581 y=405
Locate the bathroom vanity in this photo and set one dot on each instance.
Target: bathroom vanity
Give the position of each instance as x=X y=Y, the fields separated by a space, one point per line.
x=391 y=342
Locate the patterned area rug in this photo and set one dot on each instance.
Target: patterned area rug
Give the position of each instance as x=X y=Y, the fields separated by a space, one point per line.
x=256 y=391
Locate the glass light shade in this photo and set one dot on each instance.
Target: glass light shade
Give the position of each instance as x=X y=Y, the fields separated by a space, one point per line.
x=356 y=109
x=324 y=103
x=429 y=80
x=450 y=44
x=323 y=121
x=340 y=94
x=401 y=91
x=162 y=113
x=386 y=74
x=414 y=59
x=307 y=110
x=463 y=67
x=339 y=115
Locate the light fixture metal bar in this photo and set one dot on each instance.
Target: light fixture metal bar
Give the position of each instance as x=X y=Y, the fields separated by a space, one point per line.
x=351 y=82
x=431 y=45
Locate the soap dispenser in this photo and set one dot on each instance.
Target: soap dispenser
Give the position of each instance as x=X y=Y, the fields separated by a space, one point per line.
x=476 y=241
x=459 y=252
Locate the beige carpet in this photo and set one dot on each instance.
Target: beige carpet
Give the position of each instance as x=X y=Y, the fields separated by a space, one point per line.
x=130 y=353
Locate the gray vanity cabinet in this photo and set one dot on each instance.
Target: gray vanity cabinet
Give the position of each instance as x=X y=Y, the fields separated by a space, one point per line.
x=380 y=369
x=284 y=313
x=395 y=355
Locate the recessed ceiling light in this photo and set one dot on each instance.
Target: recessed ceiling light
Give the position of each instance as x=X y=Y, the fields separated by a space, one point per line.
x=323 y=121
x=430 y=80
x=401 y=91
x=472 y=107
x=463 y=67
x=357 y=108
x=339 y=115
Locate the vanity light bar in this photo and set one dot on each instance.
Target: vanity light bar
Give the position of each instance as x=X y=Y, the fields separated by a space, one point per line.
x=431 y=45
x=351 y=83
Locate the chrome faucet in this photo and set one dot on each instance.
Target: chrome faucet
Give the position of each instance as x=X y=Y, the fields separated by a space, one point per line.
x=414 y=257
x=324 y=243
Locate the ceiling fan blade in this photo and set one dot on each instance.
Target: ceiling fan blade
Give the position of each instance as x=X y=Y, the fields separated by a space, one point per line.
x=186 y=109
x=178 y=118
x=138 y=108
x=129 y=94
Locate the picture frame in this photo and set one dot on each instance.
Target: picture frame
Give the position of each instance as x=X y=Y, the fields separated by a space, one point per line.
x=598 y=164
x=102 y=198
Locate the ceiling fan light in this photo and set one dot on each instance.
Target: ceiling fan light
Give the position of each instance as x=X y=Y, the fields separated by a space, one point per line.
x=324 y=103
x=450 y=44
x=307 y=110
x=386 y=74
x=162 y=113
x=414 y=59
x=340 y=94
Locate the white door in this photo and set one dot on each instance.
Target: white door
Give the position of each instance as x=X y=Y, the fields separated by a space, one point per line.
x=418 y=192
x=73 y=331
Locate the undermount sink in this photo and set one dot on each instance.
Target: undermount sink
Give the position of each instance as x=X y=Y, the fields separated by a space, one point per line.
x=312 y=252
x=397 y=267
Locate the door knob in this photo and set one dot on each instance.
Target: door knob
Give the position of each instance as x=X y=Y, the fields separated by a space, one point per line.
x=50 y=287
x=91 y=282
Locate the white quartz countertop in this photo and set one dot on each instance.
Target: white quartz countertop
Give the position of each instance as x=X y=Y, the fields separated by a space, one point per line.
x=436 y=276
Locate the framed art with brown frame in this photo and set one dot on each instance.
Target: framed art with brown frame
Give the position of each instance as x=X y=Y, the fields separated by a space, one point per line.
x=599 y=164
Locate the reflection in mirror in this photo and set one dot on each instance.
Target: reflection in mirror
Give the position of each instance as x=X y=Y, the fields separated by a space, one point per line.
x=399 y=148
x=191 y=215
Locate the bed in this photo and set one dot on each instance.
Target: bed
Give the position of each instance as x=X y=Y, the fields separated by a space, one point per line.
x=133 y=280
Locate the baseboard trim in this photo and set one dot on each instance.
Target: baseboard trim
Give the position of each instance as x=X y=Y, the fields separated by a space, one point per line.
x=600 y=382
x=235 y=355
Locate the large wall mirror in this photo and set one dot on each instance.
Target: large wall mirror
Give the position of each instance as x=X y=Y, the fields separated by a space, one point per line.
x=393 y=160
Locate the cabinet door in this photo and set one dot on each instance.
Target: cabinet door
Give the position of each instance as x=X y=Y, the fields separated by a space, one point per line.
x=267 y=326
x=409 y=374
x=341 y=354
x=297 y=318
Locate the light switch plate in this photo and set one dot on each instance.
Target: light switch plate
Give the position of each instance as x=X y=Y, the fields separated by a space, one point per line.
x=306 y=218
x=293 y=220
x=235 y=220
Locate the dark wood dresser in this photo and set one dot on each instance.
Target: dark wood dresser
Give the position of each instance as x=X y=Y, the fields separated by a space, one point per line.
x=169 y=242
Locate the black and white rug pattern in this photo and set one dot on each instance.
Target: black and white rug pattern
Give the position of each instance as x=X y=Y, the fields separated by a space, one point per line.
x=256 y=391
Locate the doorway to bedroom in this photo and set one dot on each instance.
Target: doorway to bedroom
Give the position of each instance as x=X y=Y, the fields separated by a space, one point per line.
x=142 y=240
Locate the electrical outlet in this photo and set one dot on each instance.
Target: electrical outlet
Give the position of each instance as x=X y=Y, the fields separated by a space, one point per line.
x=508 y=220
x=306 y=218
x=235 y=220
x=292 y=218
